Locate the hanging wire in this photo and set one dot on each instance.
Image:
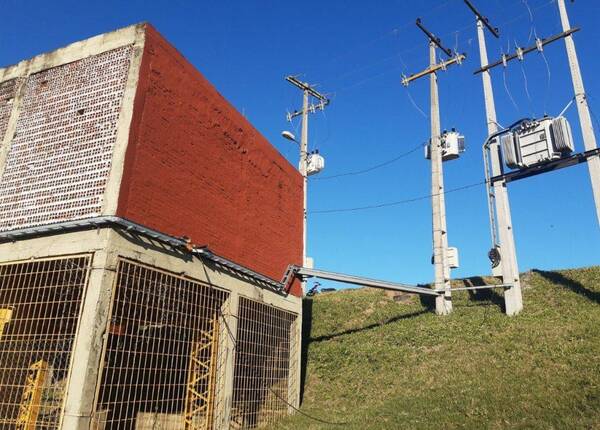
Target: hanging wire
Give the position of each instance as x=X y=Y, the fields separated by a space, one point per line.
x=548 y=77
x=408 y=93
x=467 y=28
x=327 y=127
x=412 y=101
x=531 y=20
x=527 y=90
x=375 y=167
x=507 y=90
x=399 y=202
x=391 y=33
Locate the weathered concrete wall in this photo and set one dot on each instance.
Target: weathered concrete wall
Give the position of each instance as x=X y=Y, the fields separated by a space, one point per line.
x=195 y=167
x=108 y=246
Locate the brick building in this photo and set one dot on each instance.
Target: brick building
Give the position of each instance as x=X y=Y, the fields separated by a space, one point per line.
x=144 y=225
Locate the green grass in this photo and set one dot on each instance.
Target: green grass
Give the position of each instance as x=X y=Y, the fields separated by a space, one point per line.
x=373 y=363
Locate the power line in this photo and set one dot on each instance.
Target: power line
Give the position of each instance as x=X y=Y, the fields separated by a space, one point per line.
x=370 y=169
x=399 y=202
x=461 y=30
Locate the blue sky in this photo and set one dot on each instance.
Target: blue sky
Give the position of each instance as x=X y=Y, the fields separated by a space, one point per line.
x=357 y=52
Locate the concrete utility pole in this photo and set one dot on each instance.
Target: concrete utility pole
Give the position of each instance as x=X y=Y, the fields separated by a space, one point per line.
x=587 y=130
x=307 y=91
x=303 y=167
x=443 y=303
x=441 y=261
x=509 y=269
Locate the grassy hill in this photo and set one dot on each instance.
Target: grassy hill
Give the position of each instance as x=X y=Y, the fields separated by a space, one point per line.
x=375 y=363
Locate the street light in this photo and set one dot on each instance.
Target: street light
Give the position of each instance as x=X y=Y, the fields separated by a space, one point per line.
x=289 y=136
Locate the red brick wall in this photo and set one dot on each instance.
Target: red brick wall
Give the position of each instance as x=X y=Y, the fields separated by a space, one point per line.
x=196 y=167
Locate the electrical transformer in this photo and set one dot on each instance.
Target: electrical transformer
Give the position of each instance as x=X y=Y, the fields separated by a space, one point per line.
x=453 y=143
x=315 y=164
x=537 y=141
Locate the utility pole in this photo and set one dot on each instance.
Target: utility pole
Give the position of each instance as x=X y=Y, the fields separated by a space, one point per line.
x=307 y=91
x=509 y=269
x=587 y=130
x=441 y=263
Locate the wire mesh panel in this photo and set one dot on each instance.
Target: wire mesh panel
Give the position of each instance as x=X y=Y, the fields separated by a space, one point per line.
x=40 y=305
x=162 y=356
x=59 y=159
x=264 y=365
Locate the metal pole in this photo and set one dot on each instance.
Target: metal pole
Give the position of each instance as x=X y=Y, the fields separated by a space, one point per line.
x=587 y=130
x=443 y=303
x=303 y=169
x=513 y=300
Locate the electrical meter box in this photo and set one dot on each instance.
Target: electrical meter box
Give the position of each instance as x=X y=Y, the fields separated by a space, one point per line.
x=453 y=143
x=535 y=142
x=453 y=257
x=316 y=163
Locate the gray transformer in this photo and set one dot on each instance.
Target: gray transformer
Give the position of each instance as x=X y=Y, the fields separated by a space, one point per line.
x=537 y=141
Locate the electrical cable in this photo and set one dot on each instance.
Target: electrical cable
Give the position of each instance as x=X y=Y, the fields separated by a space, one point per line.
x=399 y=202
x=408 y=93
x=375 y=167
x=527 y=90
x=415 y=48
x=549 y=77
x=508 y=91
x=317 y=419
x=531 y=20
x=416 y=106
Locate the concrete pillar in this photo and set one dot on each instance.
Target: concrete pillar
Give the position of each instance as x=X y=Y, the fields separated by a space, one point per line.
x=295 y=371
x=224 y=400
x=88 y=347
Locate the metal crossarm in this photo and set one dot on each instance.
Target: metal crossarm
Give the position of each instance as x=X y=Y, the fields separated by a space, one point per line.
x=520 y=52
x=457 y=59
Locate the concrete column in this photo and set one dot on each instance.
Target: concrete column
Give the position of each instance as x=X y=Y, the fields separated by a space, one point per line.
x=295 y=371
x=224 y=400
x=513 y=300
x=443 y=303
x=587 y=129
x=89 y=344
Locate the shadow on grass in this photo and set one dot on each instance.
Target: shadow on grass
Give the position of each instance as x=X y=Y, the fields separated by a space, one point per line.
x=485 y=297
x=307 y=305
x=368 y=327
x=576 y=287
x=306 y=329
x=489 y=295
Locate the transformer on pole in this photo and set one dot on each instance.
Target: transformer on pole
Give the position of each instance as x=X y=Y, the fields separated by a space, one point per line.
x=440 y=148
x=310 y=163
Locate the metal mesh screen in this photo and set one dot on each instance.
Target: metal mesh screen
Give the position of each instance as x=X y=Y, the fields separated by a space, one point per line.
x=40 y=304
x=264 y=365
x=162 y=357
x=7 y=98
x=59 y=160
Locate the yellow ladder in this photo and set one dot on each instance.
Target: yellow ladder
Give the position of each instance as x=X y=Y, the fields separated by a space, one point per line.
x=199 y=404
